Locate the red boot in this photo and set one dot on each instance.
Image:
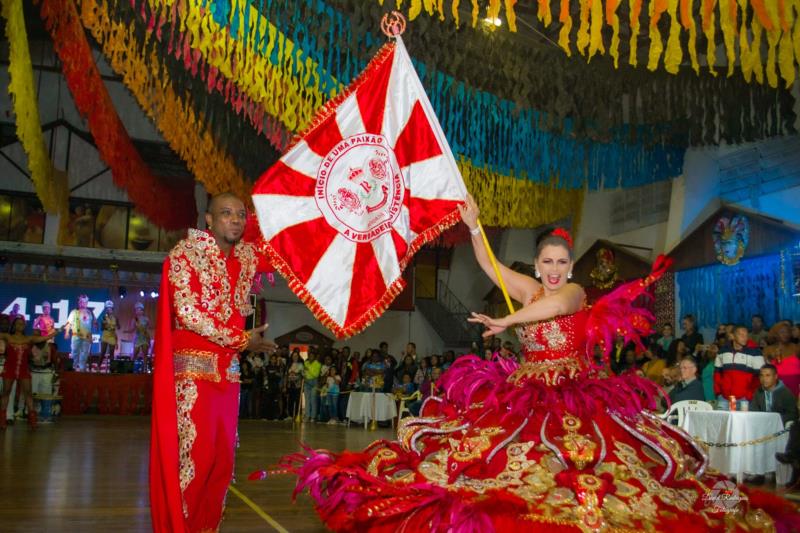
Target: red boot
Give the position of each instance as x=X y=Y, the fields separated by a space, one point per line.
x=32 y=420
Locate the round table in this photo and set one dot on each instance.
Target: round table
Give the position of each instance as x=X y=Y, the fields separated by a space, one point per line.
x=360 y=407
x=740 y=427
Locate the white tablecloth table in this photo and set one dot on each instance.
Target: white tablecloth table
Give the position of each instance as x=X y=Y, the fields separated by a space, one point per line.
x=736 y=427
x=360 y=407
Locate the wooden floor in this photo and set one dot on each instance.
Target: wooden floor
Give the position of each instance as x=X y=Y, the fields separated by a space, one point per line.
x=89 y=473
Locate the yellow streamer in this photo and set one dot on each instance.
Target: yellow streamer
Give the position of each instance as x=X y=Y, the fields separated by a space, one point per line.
x=582 y=38
x=635 y=12
x=755 y=50
x=773 y=37
x=728 y=32
x=516 y=202
x=511 y=15
x=51 y=185
x=566 y=27
x=656 y=44
x=786 y=49
x=674 y=54
x=596 y=37
x=745 y=57
x=544 y=14
x=692 y=42
x=173 y=117
x=613 y=50
x=709 y=29
x=796 y=31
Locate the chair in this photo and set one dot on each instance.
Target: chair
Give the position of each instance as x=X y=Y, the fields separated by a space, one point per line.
x=403 y=408
x=678 y=410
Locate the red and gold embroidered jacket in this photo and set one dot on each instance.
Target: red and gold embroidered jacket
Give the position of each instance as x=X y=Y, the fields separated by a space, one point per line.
x=210 y=300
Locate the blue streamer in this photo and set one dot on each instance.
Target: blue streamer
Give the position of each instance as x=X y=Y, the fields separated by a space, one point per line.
x=721 y=294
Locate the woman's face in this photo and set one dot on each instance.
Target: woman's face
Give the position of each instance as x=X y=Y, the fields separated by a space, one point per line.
x=19 y=326
x=434 y=360
x=666 y=331
x=553 y=265
x=408 y=360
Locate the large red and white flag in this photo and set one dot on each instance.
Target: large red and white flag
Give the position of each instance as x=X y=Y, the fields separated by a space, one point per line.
x=356 y=195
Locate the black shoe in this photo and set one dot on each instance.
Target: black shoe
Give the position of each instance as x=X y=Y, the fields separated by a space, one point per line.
x=756 y=480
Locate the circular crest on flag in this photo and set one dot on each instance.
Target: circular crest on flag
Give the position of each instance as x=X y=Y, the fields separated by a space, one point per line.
x=359 y=187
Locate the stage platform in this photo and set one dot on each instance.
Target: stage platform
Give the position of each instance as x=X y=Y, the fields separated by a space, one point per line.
x=106 y=394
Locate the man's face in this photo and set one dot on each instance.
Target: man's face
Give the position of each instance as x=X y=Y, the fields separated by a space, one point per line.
x=757 y=323
x=768 y=378
x=226 y=218
x=687 y=324
x=384 y=347
x=688 y=370
x=15 y=309
x=740 y=336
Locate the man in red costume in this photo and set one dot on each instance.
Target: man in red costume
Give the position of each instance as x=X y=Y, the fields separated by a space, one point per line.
x=205 y=287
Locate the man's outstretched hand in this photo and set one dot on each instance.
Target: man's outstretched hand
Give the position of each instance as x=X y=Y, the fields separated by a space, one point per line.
x=257 y=341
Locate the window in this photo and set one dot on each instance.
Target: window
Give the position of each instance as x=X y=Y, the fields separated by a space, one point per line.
x=639 y=207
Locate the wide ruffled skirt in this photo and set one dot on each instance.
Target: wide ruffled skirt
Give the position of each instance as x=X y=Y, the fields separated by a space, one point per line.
x=492 y=454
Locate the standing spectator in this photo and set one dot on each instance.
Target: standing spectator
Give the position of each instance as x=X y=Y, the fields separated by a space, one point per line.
x=311 y=371
x=384 y=349
x=773 y=396
x=758 y=334
x=689 y=387
x=388 y=373
x=273 y=375
x=293 y=383
x=619 y=354
x=783 y=353
x=351 y=370
x=665 y=339
x=691 y=337
x=374 y=370
x=411 y=349
x=246 y=379
x=707 y=372
x=408 y=367
x=736 y=369
x=332 y=381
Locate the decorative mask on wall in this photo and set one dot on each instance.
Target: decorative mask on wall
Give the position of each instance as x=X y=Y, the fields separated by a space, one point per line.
x=731 y=236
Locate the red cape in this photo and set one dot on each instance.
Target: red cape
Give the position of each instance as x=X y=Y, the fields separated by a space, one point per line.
x=166 y=501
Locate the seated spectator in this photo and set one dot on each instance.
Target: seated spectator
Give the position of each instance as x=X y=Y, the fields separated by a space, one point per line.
x=427 y=389
x=654 y=365
x=773 y=396
x=666 y=338
x=783 y=353
x=423 y=372
x=689 y=387
x=791 y=456
x=407 y=387
x=736 y=369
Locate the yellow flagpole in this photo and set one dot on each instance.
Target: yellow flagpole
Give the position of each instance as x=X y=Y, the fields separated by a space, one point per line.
x=496 y=269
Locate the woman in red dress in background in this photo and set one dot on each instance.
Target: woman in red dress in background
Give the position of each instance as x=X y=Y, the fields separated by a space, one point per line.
x=18 y=351
x=550 y=444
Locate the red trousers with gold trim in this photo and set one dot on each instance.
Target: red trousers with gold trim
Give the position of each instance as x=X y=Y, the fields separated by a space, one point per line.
x=207 y=421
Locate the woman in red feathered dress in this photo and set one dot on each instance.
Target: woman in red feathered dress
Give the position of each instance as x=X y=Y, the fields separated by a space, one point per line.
x=545 y=445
